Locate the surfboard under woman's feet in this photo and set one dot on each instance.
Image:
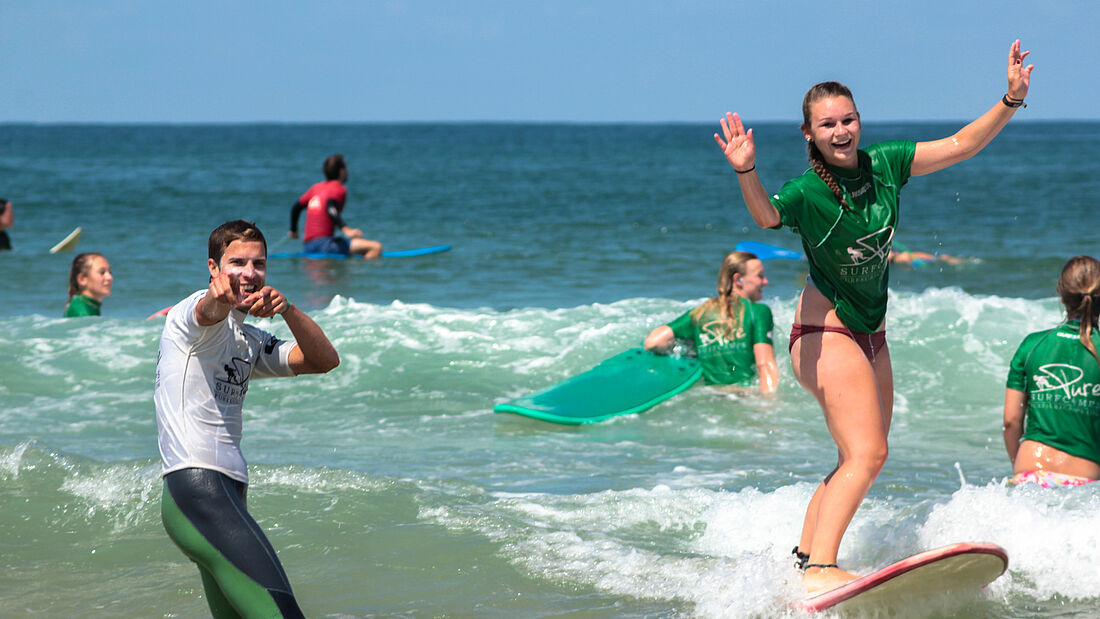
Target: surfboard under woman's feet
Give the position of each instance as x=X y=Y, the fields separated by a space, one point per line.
x=821 y=579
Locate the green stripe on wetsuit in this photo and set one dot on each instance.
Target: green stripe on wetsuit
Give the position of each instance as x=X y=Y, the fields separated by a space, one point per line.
x=233 y=546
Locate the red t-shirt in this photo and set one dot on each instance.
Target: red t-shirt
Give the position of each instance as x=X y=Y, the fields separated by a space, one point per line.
x=318 y=223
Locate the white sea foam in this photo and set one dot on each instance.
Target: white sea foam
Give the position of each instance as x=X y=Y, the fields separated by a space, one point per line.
x=12 y=461
x=727 y=553
x=316 y=480
x=122 y=493
x=1051 y=535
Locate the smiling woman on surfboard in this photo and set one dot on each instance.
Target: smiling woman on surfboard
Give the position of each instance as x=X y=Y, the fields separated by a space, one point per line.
x=732 y=332
x=845 y=209
x=1054 y=384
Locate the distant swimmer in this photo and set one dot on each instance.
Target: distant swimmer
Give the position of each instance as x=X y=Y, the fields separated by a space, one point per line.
x=324 y=206
x=7 y=220
x=845 y=209
x=904 y=255
x=90 y=282
x=732 y=332
x=1052 y=396
x=207 y=357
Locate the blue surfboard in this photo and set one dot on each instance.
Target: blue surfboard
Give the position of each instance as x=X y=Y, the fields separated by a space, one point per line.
x=764 y=251
x=400 y=253
x=421 y=251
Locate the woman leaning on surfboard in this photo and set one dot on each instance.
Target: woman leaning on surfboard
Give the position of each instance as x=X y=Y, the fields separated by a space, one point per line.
x=845 y=209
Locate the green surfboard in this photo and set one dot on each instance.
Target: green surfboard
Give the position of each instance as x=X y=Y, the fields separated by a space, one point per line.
x=627 y=383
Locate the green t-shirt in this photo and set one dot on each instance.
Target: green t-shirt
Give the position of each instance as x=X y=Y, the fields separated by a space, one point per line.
x=81 y=305
x=727 y=361
x=848 y=252
x=1062 y=382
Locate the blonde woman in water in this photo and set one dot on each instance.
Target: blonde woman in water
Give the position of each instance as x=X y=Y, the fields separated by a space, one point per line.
x=732 y=332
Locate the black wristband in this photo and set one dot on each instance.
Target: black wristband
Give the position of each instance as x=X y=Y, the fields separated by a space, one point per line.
x=1013 y=103
x=745 y=171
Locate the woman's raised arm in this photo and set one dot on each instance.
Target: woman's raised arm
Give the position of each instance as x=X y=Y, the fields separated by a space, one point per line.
x=939 y=154
x=740 y=150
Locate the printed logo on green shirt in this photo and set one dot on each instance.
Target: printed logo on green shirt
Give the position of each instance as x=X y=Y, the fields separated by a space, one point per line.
x=874 y=246
x=714 y=333
x=869 y=256
x=1064 y=377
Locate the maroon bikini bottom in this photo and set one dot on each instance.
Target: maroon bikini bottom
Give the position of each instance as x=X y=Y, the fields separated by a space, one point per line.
x=869 y=343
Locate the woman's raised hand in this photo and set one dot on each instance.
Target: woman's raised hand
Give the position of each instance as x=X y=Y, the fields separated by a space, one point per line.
x=1019 y=76
x=738 y=146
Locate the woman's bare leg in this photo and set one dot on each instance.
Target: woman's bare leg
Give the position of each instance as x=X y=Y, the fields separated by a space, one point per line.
x=832 y=367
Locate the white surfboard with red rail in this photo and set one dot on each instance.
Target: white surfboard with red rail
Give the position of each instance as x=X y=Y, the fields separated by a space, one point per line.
x=958 y=567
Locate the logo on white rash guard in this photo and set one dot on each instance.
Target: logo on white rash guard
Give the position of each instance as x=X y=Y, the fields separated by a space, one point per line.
x=231 y=384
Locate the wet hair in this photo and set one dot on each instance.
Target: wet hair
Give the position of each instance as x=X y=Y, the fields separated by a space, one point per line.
x=1079 y=288
x=333 y=165
x=236 y=230
x=728 y=301
x=82 y=265
x=824 y=90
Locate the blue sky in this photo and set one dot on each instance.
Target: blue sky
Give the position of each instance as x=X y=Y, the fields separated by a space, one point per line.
x=514 y=60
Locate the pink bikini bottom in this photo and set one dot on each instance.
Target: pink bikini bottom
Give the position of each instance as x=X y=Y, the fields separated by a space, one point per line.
x=1047 y=479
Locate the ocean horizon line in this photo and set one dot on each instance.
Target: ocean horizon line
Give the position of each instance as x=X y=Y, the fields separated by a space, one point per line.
x=506 y=122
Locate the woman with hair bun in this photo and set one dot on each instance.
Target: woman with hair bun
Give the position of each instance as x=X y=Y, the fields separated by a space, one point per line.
x=90 y=282
x=845 y=208
x=1052 y=396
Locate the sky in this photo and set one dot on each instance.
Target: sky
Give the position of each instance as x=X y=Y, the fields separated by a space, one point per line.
x=129 y=61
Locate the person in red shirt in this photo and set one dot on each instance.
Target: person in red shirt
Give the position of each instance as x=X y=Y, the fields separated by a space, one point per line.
x=324 y=206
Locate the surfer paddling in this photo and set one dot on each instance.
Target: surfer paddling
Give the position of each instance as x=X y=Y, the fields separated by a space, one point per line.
x=904 y=255
x=324 y=207
x=845 y=208
x=732 y=332
x=207 y=357
x=1054 y=384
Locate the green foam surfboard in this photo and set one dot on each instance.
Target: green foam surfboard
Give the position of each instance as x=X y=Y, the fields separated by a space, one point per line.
x=627 y=383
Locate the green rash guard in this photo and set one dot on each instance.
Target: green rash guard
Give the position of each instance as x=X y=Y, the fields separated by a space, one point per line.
x=848 y=251
x=727 y=361
x=81 y=305
x=1062 y=381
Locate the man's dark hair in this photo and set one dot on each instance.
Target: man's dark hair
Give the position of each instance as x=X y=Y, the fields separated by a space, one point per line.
x=333 y=165
x=237 y=230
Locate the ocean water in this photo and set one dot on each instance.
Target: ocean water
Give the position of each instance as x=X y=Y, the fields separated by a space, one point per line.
x=390 y=488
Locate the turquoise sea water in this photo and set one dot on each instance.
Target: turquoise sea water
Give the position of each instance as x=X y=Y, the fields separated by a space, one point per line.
x=390 y=488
